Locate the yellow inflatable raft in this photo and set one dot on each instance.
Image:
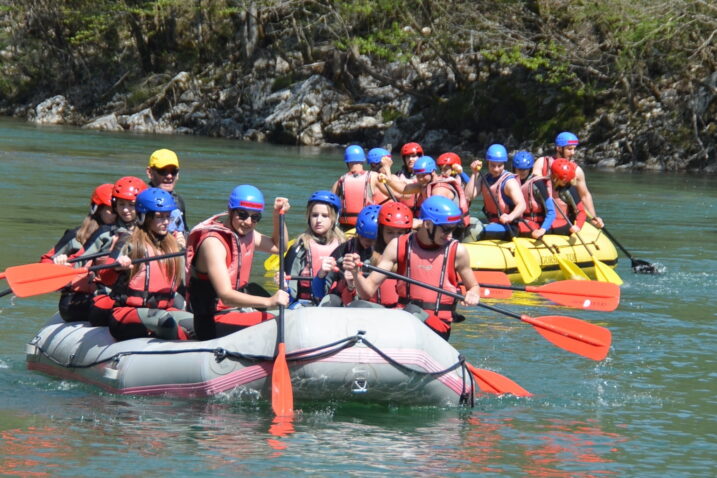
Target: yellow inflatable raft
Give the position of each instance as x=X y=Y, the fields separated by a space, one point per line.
x=494 y=255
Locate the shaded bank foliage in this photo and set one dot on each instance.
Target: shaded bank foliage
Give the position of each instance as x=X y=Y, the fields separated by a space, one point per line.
x=529 y=67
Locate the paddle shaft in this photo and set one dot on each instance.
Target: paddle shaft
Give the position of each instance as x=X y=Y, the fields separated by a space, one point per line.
x=455 y=295
x=282 y=246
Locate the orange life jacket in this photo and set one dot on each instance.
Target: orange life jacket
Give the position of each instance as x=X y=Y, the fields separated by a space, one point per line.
x=240 y=252
x=496 y=190
x=432 y=266
x=459 y=195
x=355 y=192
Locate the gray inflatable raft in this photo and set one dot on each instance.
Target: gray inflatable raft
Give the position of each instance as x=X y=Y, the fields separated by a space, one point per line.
x=344 y=354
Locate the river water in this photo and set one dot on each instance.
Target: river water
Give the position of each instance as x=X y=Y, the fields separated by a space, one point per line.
x=649 y=409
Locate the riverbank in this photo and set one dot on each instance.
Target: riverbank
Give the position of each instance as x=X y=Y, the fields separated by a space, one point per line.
x=453 y=79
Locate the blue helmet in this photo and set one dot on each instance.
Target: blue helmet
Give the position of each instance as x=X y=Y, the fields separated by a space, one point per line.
x=375 y=155
x=440 y=210
x=496 y=153
x=523 y=160
x=566 y=138
x=354 y=154
x=154 y=200
x=248 y=197
x=367 y=222
x=326 y=197
x=424 y=165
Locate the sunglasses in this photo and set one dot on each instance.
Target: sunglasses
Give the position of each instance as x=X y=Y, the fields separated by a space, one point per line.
x=448 y=229
x=166 y=171
x=244 y=215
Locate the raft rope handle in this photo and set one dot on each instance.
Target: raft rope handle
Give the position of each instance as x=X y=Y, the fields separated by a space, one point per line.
x=317 y=353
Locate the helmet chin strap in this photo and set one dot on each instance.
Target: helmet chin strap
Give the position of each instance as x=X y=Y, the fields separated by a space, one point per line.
x=432 y=234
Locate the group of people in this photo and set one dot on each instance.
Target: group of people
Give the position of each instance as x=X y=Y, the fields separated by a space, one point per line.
x=175 y=283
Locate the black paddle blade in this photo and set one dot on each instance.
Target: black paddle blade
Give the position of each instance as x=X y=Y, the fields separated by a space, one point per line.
x=643 y=267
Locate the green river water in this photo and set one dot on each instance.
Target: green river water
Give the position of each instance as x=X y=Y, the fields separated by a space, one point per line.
x=649 y=409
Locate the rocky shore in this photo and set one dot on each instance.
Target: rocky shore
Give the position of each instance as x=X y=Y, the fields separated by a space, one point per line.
x=639 y=91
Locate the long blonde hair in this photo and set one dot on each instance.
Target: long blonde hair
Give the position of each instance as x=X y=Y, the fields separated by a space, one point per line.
x=138 y=249
x=335 y=233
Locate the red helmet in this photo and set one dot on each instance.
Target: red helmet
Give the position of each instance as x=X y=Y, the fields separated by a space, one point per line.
x=563 y=169
x=448 y=158
x=128 y=187
x=102 y=195
x=395 y=214
x=411 y=148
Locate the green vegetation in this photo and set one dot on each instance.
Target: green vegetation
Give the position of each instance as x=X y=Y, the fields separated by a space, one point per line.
x=523 y=65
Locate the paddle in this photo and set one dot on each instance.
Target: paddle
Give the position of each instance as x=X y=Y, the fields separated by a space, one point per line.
x=41 y=278
x=578 y=294
x=282 y=395
x=638 y=265
x=495 y=383
x=528 y=266
x=76 y=259
x=568 y=333
x=603 y=272
x=569 y=269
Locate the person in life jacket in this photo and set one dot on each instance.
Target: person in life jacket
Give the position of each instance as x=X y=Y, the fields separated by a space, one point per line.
x=566 y=197
x=356 y=188
x=450 y=166
x=112 y=239
x=503 y=202
x=430 y=183
x=220 y=251
x=566 y=144
x=330 y=284
x=76 y=298
x=410 y=152
x=312 y=248
x=429 y=255
x=143 y=294
x=163 y=173
x=537 y=192
x=379 y=161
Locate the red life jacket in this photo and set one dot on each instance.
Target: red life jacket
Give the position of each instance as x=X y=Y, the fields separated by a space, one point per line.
x=240 y=253
x=432 y=266
x=534 y=210
x=495 y=191
x=459 y=195
x=355 y=192
x=547 y=162
x=312 y=265
x=407 y=199
x=150 y=287
x=379 y=197
x=386 y=295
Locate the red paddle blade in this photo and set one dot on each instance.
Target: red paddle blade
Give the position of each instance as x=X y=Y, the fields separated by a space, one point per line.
x=282 y=395
x=40 y=278
x=495 y=383
x=573 y=335
x=580 y=294
x=493 y=278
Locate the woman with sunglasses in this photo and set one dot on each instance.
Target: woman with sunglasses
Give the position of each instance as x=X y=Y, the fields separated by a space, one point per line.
x=220 y=251
x=429 y=255
x=314 y=246
x=143 y=294
x=76 y=298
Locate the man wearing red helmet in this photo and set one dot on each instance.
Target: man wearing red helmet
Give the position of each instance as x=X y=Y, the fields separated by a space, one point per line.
x=565 y=145
x=450 y=166
x=566 y=197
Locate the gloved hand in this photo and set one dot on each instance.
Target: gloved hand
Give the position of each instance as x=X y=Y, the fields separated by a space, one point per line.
x=437 y=324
